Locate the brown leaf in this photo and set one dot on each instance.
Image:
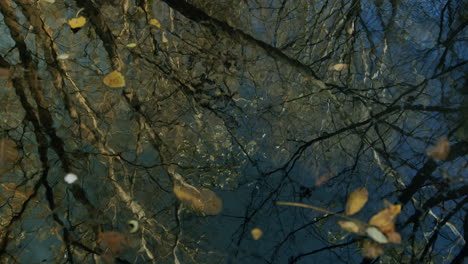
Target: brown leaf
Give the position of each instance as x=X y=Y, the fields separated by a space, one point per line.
x=441 y=150
x=199 y=199
x=112 y=242
x=371 y=249
x=356 y=200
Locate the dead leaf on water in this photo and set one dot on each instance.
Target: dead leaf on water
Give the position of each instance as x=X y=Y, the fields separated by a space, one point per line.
x=356 y=200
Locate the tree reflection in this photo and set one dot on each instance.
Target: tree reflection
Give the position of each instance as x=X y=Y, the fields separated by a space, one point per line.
x=164 y=108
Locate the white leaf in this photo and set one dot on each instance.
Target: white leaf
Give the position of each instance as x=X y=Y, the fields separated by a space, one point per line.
x=377 y=235
x=63 y=56
x=70 y=178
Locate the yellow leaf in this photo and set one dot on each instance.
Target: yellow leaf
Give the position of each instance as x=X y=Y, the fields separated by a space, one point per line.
x=356 y=200
x=199 y=200
x=338 y=67
x=131 y=45
x=352 y=226
x=155 y=22
x=77 y=22
x=256 y=233
x=114 y=79
x=385 y=219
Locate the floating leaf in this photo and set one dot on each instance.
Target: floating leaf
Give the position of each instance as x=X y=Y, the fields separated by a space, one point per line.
x=356 y=200
x=77 y=22
x=114 y=79
x=376 y=234
x=441 y=150
x=338 y=67
x=198 y=199
x=155 y=22
x=256 y=233
x=385 y=219
x=371 y=249
x=352 y=226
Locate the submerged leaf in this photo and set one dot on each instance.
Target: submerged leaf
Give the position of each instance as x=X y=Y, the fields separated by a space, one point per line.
x=352 y=226
x=114 y=79
x=77 y=22
x=256 y=233
x=8 y=154
x=441 y=150
x=356 y=200
x=371 y=249
x=199 y=199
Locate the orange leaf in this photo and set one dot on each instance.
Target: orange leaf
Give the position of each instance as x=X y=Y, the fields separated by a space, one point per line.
x=385 y=219
x=441 y=150
x=356 y=200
